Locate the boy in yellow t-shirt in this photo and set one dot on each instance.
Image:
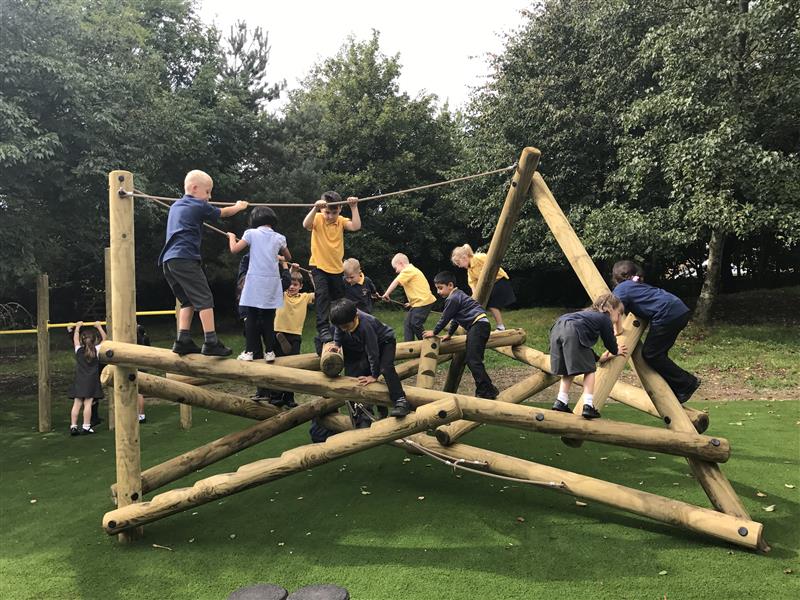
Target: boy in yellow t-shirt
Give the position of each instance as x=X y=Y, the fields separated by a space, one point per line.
x=289 y=321
x=327 y=227
x=418 y=293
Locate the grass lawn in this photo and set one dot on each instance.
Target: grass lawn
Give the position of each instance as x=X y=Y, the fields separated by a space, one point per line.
x=384 y=527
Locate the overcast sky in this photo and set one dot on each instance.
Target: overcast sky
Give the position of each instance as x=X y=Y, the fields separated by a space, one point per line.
x=442 y=43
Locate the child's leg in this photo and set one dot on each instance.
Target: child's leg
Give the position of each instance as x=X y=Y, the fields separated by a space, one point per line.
x=322 y=304
x=140 y=405
x=415 y=322
x=401 y=406
x=252 y=333
x=659 y=340
x=295 y=340
x=87 y=413
x=207 y=319
x=185 y=315
x=75 y=412
x=477 y=337
x=267 y=327
x=498 y=317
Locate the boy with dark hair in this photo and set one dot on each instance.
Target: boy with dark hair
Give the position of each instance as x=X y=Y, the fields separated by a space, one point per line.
x=461 y=309
x=180 y=261
x=327 y=228
x=369 y=350
x=357 y=286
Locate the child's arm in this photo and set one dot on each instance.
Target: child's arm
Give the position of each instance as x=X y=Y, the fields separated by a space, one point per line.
x=392 y=287
x=76 y=335
x=229 y=211
x=308 y=222
x=447 y=315
x=355 y=218
x=101 y=330
x=284 y=252
x=234 y=246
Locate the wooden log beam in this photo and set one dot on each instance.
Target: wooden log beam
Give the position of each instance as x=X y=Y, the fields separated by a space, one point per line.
x=196 y=381
x=428 y=360
x=476 y=409
x=520 y=391
x=501 y=238
x=123 y=307
x=207 y=454
x=411 y=367
x=291 y=461
x=43 y=352
x=624 y=393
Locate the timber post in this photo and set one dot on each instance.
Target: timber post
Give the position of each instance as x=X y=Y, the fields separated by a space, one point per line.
x=43 y=352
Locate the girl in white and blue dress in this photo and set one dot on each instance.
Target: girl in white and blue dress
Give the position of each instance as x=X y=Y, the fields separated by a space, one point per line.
x=262 y=292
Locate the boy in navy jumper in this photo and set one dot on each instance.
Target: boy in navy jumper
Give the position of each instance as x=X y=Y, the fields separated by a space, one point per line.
x=461 y=309
x=357 y=286
x=571 y=341
x=180 y=260
x=667 y=314
x=369 y=350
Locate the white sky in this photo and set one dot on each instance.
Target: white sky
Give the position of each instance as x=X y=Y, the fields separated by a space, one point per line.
x=442 y=43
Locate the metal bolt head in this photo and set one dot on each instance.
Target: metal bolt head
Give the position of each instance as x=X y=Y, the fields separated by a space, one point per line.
x=539 y=417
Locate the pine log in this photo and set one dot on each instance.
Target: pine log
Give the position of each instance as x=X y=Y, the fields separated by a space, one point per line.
x=428 y=360
x=331 y=361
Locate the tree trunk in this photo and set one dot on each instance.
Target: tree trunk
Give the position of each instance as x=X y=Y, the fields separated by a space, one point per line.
x=708 y=294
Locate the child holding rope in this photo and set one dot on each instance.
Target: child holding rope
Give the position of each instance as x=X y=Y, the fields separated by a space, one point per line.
x=327 y=227
x=86 y=386
x=461 y=309
x=571 y=341
x=357 y=286
x=262 y=293
x=418 y=293
x=668 y=316
x=502 y=293
x=180 y=260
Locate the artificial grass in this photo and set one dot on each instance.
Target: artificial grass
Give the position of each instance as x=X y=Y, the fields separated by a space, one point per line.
x=387 y=525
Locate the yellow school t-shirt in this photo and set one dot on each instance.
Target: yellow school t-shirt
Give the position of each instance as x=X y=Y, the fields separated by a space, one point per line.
x=416 y=287
x=476 y=266
x=290 y=317
x=327 y=244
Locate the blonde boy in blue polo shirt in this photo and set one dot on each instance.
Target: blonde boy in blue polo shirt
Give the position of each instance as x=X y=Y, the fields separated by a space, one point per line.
x=180 y=260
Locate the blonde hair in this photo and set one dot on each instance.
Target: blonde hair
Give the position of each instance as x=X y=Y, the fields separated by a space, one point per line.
x=461 y=251
x=606 y=303
x=400 y=258
x=351 y=265
x=196 y=177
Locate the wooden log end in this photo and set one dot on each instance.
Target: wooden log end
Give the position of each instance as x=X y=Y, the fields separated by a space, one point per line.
x=331 y=362
x=443 y=437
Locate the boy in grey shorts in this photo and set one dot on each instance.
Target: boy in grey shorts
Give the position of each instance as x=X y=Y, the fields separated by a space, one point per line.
x=180 y=260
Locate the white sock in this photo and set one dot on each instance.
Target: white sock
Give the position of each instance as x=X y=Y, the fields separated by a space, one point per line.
x=587 y=399
x=141 y=417
x=563 y=397
x=87 y=426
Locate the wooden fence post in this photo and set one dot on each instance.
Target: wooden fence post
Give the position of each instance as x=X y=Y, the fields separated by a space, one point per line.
x=109 y=329
x=43 y=351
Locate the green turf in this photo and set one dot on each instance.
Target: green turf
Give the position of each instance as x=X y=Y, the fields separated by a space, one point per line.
x=463 y=540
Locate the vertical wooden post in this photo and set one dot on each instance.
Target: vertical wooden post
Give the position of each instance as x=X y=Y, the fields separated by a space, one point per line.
x=517 y=193
x=43 y=351
x=185 y=409
x=123 y=310
x=109 y=330
x=428 y=361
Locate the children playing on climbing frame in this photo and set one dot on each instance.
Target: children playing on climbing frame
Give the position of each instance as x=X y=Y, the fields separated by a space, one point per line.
x=86 y=386
x=357 y=286
x=572 y=338
x=262 y=293
x=667 y=315
x=327 y=227
x=461 y=309
x=502 y=293
x=369 y=349
x=418 y=293
x=180 y=261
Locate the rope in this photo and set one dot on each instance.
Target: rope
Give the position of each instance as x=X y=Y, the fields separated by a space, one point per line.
x=140 y=194
x=158 y=201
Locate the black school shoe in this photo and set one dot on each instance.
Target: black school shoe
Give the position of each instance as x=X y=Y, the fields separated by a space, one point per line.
x=89 y=431
x=401 y=408
x=215 y=349
x=682 y=398
x=183 y=348
x=590 y=412
x=561 y=407
x=74 y=431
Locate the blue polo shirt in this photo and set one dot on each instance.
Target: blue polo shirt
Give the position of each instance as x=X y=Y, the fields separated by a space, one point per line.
x=185 y=228
x=648 y=302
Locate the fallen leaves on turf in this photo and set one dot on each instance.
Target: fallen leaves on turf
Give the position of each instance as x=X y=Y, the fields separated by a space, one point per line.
x=761 y=494
x=770 y=508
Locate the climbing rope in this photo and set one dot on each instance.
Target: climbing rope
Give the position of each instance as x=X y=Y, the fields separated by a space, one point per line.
x=140 y=194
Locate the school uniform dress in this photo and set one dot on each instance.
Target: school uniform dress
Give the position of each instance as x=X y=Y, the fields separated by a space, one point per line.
x=572 y=338
x=420 y=299
x=668 y=316
x=87 y=375
x=361 y=293
x=502 y=293
x=327 y=255
x=461 y=309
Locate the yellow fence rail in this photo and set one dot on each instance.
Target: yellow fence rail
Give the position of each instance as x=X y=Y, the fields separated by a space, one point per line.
x=141 y=313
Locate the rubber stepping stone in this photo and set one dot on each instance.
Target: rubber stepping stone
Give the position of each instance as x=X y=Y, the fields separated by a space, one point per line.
x=262 y=591
x=320 y=592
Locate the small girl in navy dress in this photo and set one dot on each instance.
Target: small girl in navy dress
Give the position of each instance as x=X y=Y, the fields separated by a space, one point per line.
x=667 y=314
x=262 y=292
x=571 y=341
x=86 y=386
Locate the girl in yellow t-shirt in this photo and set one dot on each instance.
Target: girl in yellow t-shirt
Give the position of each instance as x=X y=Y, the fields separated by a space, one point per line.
x=502 y=293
